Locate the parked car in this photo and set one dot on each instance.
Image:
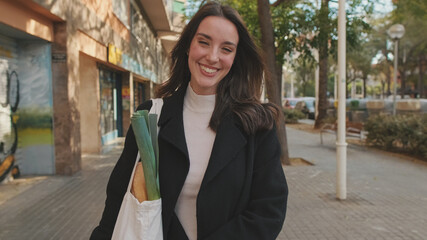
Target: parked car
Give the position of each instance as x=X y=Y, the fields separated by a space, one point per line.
x=289 y=103
x=307 y=106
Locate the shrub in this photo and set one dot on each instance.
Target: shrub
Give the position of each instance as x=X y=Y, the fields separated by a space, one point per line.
x=292 y=115
x=329 y=119
x=354 y=104
x=406 y=133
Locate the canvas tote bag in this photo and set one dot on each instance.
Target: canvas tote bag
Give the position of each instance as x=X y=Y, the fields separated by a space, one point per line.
x=140 y=221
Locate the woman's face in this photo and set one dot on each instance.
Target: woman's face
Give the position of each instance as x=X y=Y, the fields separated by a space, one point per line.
x=212 y=53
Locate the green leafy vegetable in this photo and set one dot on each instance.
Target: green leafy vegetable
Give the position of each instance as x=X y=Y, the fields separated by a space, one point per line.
x=145 y=129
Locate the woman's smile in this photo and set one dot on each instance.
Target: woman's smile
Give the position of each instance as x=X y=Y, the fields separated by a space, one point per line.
x=207 y=69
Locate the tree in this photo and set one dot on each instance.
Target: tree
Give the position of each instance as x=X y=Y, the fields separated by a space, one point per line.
x=413 y=45
x=323 y=41
x=291 y=25
x=273 y=91
x=359 y=62
x=357 y=14
x=379 y=42
x=305 y=71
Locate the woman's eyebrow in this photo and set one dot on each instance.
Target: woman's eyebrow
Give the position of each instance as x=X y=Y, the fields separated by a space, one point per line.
x=210 y=38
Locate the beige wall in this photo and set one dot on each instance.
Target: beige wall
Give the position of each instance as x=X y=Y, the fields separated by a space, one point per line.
x=103 y=10
x=89 y=105
x=24 y=19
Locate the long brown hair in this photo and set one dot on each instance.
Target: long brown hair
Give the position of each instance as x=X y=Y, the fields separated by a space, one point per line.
x=240 y=90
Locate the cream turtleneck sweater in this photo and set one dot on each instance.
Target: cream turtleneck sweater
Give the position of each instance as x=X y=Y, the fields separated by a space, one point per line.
x=200 y=138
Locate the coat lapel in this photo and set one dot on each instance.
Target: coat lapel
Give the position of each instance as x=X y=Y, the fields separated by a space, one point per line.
x=228 y=142
x=171 y=121
x=174 y=161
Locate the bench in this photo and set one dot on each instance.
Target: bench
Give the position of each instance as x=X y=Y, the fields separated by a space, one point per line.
x=353 y=130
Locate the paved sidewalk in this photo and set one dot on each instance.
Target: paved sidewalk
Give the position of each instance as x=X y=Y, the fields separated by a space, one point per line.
x=60 y=207
x=387 y=197
x=386 y=193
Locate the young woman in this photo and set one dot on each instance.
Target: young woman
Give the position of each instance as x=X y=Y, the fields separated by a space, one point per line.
x=220 y=171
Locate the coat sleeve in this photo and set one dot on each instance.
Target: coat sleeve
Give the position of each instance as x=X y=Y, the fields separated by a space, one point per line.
x=265 y=212
x=117 y=185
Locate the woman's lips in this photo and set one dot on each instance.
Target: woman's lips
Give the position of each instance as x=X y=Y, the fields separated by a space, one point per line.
x=208 y=70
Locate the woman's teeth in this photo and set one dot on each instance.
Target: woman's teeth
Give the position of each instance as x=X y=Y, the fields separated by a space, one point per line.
x=208 y=70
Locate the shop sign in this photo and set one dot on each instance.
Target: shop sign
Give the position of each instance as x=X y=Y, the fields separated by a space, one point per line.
x=117 y=57
x=114 y=55
x=125 y=92
x=59 y=57
x=126 y=97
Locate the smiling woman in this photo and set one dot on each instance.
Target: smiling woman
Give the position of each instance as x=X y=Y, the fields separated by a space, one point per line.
x=219 y=157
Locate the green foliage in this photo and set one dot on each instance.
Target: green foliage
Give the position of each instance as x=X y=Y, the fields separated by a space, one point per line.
x=292 y=115
x=354 y=104
x=406 y=133
x=330 y=120
x=305 y=75
x=34 y=118
x=413 y=45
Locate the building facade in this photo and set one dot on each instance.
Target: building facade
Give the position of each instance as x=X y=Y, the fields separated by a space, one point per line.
x=72 y=72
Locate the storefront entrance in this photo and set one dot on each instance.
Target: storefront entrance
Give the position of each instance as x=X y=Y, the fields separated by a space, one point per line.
x=110 y=83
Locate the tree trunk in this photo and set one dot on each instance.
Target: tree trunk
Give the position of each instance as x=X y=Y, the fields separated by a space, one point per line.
x=420 y=76
x=382 y=89
x=388 y=75
x=279 y=72
x=402 y=82
x=323 y=63
x=273 y=90
x=387 y=72
x=365 y=77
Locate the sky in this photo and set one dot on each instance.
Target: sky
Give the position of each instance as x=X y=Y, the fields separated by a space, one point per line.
x=382 y=6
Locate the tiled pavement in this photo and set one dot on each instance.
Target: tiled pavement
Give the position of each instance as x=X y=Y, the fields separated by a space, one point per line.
x=386 y=193
x=387 y=197
x=60 y=207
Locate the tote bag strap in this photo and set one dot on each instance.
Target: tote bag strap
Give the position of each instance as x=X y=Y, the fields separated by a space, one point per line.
x=156 y=108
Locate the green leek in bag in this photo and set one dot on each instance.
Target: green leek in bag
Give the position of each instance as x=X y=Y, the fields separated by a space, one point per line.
x=145 y=129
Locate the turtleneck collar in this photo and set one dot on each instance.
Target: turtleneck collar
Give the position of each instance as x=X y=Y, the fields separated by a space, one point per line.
x=199 y=103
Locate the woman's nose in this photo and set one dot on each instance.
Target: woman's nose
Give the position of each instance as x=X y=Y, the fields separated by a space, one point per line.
x=212 y=55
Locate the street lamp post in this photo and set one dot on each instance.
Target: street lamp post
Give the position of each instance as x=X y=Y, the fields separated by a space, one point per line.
x=341 y=150
x=395 y=32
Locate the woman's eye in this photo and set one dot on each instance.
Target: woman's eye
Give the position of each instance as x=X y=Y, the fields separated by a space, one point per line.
x=228 y=50
x=203 y=42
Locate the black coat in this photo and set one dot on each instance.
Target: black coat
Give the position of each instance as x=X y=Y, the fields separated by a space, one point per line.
x=243 y=194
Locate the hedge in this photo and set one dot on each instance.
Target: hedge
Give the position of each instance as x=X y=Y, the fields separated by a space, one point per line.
x=400 y=133
x=292 y=115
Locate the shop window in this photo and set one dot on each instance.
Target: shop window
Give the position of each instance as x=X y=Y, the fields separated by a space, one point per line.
x=111 y=105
